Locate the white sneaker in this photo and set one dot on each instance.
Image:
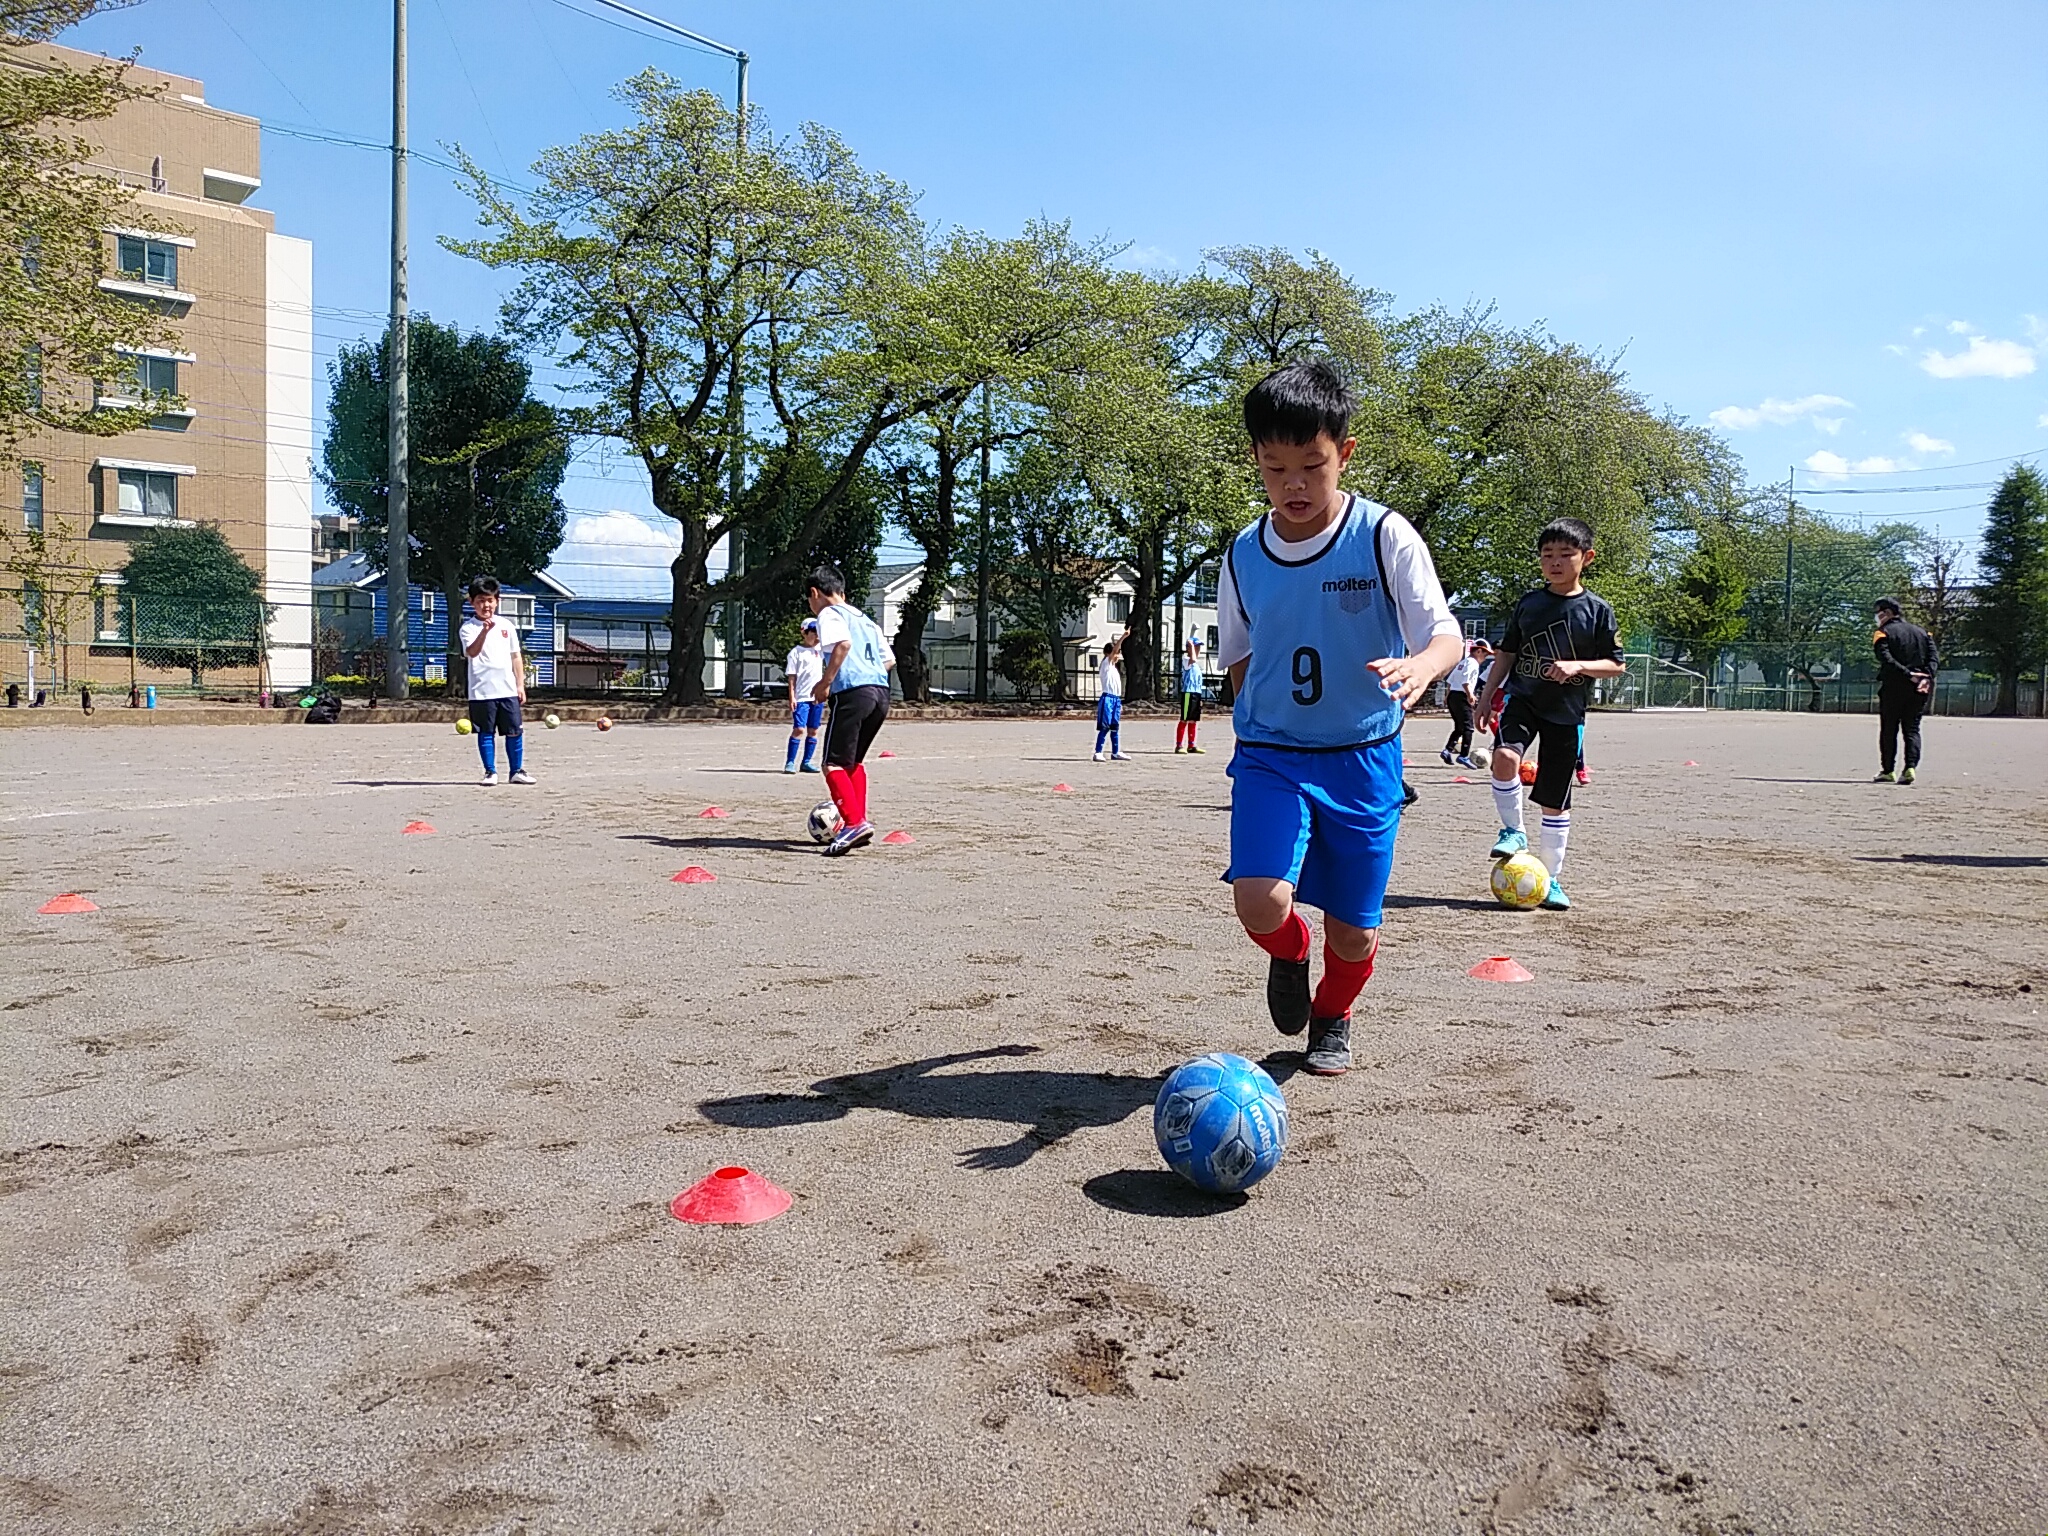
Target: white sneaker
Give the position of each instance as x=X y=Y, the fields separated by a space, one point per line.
x=522 y=777
x=489 y=781
x=1120 y=757
x=1100 y=758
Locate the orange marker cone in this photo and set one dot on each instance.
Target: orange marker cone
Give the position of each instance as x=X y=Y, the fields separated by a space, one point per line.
x=65 y=905
x=417 y=829
x=898 y=836
x=1063 y=789
x=887 y=754
x=733 y=1196
x=1461 y=779
x=696 y=874
x=713 y=813
x=1690 y=763
x=1499 y=968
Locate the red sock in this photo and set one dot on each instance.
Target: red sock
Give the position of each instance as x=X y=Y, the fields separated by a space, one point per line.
x=839 y=784
x=1290 y=941
x=1191 y=733
x=1342 y=981
x=1180 y=734
x=857 y=808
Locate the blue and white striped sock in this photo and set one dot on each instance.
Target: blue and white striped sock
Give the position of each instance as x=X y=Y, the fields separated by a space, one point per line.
x=1507 y=799
x=1551 y=838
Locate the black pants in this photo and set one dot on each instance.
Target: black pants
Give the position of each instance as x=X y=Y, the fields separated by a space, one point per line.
x=1460 y=743
x=1898 y=712
x=851 y=723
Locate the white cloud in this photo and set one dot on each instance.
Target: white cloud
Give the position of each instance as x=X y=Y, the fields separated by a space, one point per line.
x=616 y=555
x=1832 y=466
x=1984 y=358
x=1780 y=413
x=2037 y=328
x=1895 y=349
x=1150 y=258
x=1960 y=327
x=621 y=528
x=1920 y=442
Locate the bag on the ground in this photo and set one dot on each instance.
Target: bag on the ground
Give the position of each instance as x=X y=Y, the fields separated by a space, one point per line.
x=326 y=709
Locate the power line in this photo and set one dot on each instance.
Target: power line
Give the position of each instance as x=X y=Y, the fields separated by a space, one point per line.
x=697 y=46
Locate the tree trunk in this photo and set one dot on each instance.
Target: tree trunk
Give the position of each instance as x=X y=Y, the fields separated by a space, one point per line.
x=911 y=619
x=2007 y=703
x=1141 y=675
x=458 y=664
x=937 y=542
x=689 y=608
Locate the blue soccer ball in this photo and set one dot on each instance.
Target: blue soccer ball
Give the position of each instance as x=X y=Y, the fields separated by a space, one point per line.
x=1220 y=1122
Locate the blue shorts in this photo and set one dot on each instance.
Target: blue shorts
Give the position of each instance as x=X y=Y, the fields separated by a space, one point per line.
x=808 y=716
x=1322 y=821
x=496 y=717
x=1109 y=711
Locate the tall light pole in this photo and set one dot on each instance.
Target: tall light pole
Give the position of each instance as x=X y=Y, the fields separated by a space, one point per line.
x=398 y=515
x=735 y=396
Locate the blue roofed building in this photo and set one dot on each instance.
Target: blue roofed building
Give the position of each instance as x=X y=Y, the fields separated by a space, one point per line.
x=351 y=616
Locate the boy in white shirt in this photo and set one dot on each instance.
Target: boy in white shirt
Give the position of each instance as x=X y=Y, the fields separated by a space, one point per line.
x=1109 y=701
x=1460 y=688
x=803 y=666
x=497 y=683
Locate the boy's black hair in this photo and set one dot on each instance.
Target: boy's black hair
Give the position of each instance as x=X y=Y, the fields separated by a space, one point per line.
x=1295 y=403
x=1889 y=605
x=483 y=586
x=826 y=579
x=1574 y=531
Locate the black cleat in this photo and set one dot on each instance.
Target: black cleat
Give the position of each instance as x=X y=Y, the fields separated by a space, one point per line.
x=1287 y=995
x=1329 y=1047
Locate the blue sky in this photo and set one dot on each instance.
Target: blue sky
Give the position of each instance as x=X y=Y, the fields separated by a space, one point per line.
x=1822 y=226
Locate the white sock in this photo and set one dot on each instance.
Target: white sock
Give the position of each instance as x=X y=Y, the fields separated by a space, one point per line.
x=1507 y=799
x=1551 y=838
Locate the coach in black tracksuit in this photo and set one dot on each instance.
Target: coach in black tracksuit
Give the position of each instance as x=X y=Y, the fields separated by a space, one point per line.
x=1906 y=659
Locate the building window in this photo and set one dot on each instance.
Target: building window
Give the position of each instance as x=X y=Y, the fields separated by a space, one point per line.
x=427 y=607
x=32 y=376
x=1212 y=639
x=31 y=495
x=156 y=375
x=145 y=493
x=32 y=612
x=1119 y=607
x=1202 y=590
x=147 y=261
x=519 y=610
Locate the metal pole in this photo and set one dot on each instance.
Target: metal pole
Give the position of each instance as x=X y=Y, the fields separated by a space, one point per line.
x=736 y=427
x=398 y=520
x=1791 y=477
x=981 y=559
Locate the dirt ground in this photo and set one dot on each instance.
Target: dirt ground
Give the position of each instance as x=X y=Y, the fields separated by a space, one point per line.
x=336 y=1163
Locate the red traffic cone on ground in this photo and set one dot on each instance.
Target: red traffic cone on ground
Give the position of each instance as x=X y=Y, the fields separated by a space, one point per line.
x=65 y=905
x=898 y=836
x=713 y=813
x=417 y=829
x=886 y=754
x=1063 y=789
x=1461 y=779
x=733 y=1196
x=696 y=874
x=1499 y=968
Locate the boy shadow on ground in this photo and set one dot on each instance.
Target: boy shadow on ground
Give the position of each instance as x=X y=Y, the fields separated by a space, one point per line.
x=1050 y=1105
x=773 y=844
x=1455 y=903
x=1961 y=860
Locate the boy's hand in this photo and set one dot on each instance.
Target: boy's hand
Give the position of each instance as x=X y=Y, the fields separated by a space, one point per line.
x=1405 y=678
x=1563 y=671
x=1486 y=714
x=821 y=691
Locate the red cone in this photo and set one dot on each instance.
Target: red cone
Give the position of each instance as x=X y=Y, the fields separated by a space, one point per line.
x=65 y=905
x=1499 y=968
x=886 y=754
x=898 y=836
x=713 y=813
x=1063 y=789
x=734 y=1196
x=417 y=829
x=696 y=874
x=1690 y=763
x=1461 y=779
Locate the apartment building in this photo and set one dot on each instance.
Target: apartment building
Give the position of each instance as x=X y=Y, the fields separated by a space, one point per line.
x=239 y=455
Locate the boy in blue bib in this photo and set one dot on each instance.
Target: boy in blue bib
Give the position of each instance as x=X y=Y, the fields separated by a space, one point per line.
x=1331 y=622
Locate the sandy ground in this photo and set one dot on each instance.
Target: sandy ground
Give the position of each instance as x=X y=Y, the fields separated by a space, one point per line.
x=336 y=1163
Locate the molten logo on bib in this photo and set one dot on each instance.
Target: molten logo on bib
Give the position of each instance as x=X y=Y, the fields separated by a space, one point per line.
x=1353 y=592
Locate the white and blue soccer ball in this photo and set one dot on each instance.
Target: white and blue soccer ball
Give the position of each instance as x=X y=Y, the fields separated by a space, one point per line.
x=1220 y=1122
x=824 y=822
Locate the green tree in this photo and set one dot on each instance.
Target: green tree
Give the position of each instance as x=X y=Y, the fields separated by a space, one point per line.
x=848 y=540
x=58 y=329
x=1839 y=571
x=486 y=461
x=2009 y=621
x=660 y=253
x=1701 y=604
x=1051 y=531
x=1939 y=601
x=1024 y=659
x=194 y=602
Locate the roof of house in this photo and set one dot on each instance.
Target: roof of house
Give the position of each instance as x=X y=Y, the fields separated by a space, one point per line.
x=355 y=571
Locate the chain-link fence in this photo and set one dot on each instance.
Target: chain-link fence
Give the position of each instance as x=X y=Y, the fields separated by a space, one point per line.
x=1837 y=678
x=109 y=641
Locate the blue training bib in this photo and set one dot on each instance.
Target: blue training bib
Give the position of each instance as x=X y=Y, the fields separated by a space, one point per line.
x=866 y=664
x=1315 y=624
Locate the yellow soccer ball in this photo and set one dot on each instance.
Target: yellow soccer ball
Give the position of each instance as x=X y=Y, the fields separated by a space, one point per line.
x=551 y=721
x=1521 y=882
x=463 y=727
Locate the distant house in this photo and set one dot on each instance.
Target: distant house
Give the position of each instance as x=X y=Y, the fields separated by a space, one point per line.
x=948 y=642
x=350 y=615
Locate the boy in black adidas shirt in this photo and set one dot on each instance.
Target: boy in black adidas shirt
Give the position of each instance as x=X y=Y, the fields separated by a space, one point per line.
x=1560 y=638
